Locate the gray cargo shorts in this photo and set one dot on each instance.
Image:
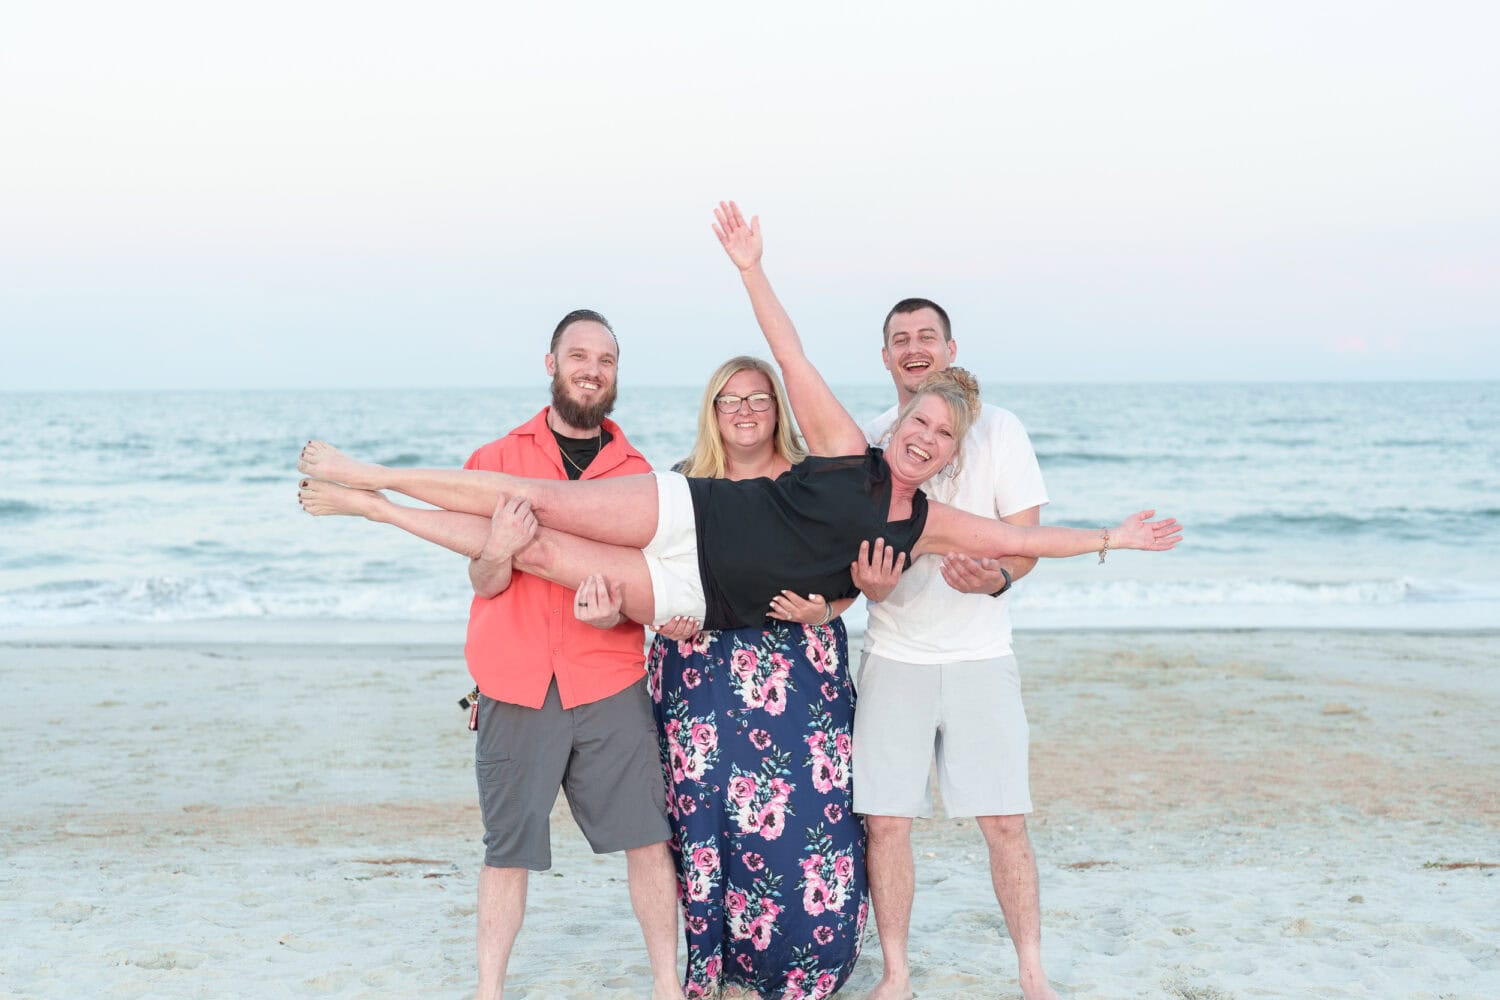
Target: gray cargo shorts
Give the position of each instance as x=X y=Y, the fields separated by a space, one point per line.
x=603 y=754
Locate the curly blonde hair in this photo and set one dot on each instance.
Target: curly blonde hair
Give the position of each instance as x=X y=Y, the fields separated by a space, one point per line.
x=707 y=459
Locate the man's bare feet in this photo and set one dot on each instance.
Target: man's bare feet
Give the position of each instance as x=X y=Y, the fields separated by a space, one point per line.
x=891 y=989
x=1038 y=991
x=318 y=498
x=667 y=991
x=322 y=460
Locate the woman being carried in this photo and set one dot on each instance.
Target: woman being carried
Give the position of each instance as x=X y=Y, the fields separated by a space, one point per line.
x=755 y=726
x=719 y=550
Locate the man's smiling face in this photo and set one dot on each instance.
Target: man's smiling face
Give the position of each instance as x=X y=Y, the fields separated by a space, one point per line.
x=583 y=374
x=916 y=345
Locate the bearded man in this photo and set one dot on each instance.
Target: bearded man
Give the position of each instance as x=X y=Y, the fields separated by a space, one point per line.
x=562 y=692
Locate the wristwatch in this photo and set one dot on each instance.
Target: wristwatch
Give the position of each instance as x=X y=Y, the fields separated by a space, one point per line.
x=1003 y=589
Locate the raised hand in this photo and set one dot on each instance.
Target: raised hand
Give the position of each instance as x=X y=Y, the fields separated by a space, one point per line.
x=1138 y=532
x=741 y=240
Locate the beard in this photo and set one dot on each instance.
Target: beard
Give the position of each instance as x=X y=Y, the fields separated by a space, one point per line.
x=576 y=414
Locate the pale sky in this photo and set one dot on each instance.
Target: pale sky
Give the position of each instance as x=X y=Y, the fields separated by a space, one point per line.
x=377 y=194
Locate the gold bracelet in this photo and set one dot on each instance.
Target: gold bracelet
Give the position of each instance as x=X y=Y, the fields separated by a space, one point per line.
x=827 y=612
x=1105 y=549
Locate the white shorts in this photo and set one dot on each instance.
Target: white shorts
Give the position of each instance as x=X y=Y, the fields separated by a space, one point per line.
x=672 y=554
x=969 y=713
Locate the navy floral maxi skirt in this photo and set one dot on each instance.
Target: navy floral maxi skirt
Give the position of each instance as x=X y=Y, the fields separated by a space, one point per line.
x=755 y=727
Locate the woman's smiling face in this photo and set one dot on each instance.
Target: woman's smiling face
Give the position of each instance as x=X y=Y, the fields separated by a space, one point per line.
x=923 y=443
x=747 y=429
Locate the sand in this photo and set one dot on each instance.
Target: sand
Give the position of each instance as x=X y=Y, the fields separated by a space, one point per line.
x=1220 y=814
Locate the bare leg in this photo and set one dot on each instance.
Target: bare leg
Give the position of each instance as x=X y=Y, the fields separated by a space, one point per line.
x=502 y=904
x=653 y=895
x=567 y=559
x=461 y=533
x=1013 y=871
x=893 y=882
x=553 y=555
x=620 y=510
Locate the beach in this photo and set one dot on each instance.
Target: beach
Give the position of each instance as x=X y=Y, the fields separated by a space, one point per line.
x=1220 y=814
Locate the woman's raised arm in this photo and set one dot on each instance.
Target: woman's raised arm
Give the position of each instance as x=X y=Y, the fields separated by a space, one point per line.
x=825 y=424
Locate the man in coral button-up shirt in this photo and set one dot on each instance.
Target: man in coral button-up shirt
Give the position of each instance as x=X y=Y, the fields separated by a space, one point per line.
x=563 y=701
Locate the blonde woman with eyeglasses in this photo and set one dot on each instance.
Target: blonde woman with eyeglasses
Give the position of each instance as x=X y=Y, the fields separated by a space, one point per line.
x=755 y=724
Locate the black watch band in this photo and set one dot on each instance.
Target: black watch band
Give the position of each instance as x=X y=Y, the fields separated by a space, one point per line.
x=1006 y=574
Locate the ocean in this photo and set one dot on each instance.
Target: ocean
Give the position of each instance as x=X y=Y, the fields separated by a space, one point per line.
x=1361 y=505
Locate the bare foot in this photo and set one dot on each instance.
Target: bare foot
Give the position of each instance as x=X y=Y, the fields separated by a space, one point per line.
x=322 y=460
x=891 y=989
x=667 y=991
x=318 y=498
x=1036 y=987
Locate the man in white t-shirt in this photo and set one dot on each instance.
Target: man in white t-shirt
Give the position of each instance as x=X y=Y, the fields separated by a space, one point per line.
x=939 y=675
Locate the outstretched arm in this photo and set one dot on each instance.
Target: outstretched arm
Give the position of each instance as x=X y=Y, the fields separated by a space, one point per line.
x=951 y=530
x=825 y=424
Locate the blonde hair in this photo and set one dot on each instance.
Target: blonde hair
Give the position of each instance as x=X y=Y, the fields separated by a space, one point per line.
x=707 y=459
x=960 y=390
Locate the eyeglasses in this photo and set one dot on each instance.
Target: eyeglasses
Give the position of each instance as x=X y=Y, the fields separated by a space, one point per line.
x=760 y=402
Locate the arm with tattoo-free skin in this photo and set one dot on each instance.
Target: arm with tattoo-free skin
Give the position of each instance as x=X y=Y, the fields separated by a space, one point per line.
x=968 y=575
x=825 y=424
x=951 y=530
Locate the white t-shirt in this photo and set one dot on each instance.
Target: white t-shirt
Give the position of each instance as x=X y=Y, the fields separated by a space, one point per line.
x=924 y=620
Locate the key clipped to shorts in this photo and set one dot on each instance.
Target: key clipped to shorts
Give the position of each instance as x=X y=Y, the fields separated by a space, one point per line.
x=471 y=702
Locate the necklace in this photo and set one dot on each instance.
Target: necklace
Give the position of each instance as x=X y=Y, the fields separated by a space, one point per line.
x=598 y=447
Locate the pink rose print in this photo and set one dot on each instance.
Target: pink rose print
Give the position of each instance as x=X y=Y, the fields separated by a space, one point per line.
x=830 y=693
x=706 y=859
x=834 y=812
x=814 y=896
x=713 y=967
x=843 y=867
x=823 y=934
x=843 y=744
x=746 y=963
x=817 y=653
x=754 y=862
x=818 y=740
x=691 y=678
x=822 y=773
x=760 y=739
x=743 y=662
x=772 y=820
x=697 y=925
x=741 y=788
x=686 y=805
x=825 y=983
x=704 y=736
x=735 y=901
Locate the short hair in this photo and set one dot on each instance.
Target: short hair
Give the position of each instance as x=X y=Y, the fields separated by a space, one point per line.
x=580 y=316
x=910 y=306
